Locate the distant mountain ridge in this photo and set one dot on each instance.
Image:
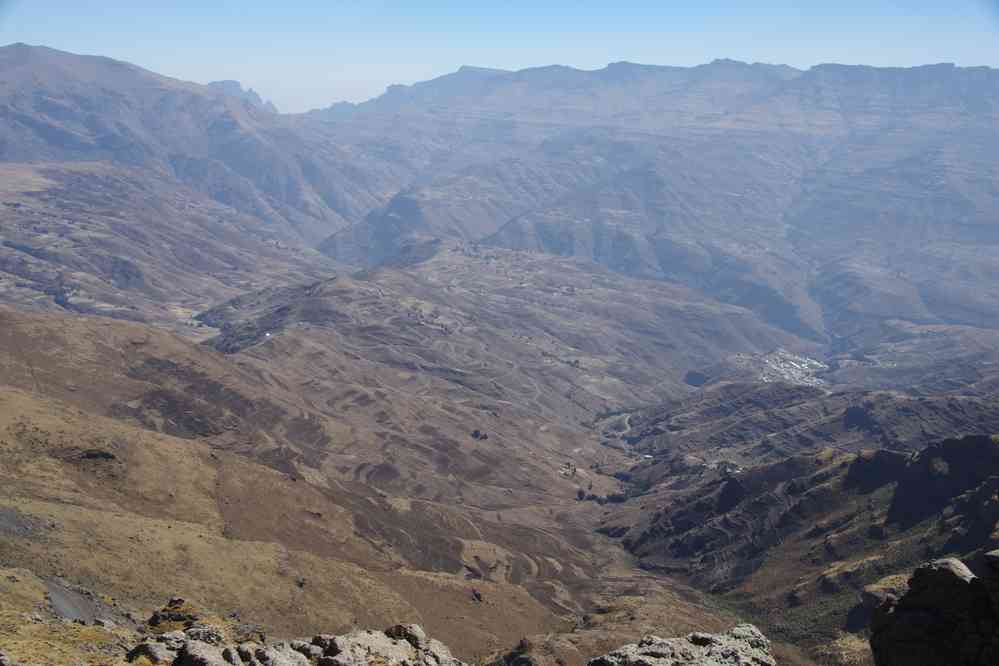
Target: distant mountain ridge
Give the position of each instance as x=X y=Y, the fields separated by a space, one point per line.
x=467 y=82
x=59 y=107
x=751 y=182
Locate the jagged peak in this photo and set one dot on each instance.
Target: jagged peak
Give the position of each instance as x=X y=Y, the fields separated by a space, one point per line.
x=233 y=88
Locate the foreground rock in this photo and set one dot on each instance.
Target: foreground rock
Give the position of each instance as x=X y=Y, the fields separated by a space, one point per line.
x=402 y=645
x=743 y=645
x=408 y=645
x=949 y=615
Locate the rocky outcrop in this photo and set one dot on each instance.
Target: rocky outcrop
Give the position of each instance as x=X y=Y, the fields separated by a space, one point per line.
x=942 y=472
x=950 y=615
x=199 y=645
x=743 y=645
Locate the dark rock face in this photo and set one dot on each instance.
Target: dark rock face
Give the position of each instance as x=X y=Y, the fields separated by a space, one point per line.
x=948 y=616
x=941 y=472
x=872 y=471
x=743 y=645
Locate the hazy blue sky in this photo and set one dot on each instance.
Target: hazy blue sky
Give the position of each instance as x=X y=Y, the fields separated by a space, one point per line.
x=310 y=53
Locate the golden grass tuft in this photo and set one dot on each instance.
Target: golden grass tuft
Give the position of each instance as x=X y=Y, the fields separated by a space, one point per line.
x=58 y=642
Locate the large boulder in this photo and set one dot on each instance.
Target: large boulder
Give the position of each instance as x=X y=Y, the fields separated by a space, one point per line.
x=948 y=616
x=402 y=645
x=743 y=645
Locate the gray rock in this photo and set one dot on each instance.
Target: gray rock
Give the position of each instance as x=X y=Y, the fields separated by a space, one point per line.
x=246 y=651
x=402 y=645
x=357 y=647
x=157 y=653
x=172 y=639
x=196 y=653
x=307 y=649
x=5 y=660
x=280 y=655
x=743 y=645
x=205 y=634
x=231 y=656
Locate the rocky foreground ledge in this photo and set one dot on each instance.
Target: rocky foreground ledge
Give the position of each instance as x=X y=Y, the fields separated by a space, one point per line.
x=405 y=644
x=408 y=645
